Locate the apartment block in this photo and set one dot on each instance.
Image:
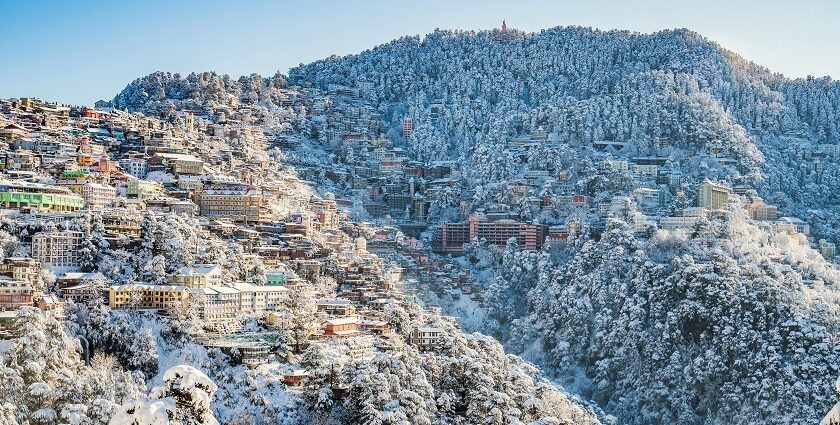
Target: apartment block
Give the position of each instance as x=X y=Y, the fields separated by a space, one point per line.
x=147 y=297
x=57 y=250
x=712 y=195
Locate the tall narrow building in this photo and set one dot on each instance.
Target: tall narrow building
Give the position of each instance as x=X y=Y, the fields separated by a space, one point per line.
x=712 y=195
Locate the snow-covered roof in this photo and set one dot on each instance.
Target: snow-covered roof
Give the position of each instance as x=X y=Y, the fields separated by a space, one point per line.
x=349 y=320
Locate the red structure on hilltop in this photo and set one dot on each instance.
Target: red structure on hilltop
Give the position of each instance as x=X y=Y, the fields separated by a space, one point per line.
x=504 y=26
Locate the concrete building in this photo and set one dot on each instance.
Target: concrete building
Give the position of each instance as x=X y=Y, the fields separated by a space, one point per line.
x=426 y=338
x=147 y=297
x=827 y=249
x=180 y=163
x=98 y=196
x=57 y=251
x=791 y=225
x=17 y=194
x=15 y=293
x=137 y=167
x=235 y=201
x=143 y=189
x=453 y=236
x=671 y=223
x=763 y=212
x=712 y=196
x=341 y=326
x=21 y=268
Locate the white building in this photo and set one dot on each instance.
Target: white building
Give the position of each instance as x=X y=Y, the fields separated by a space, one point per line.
x=137 y=167
x=220 y=302
x=197 y=276
x=647 y=198
x=98 y=196
x=671 y=223
x=57 y=251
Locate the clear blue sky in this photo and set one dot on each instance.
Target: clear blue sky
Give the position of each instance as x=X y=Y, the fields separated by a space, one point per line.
x=80 y=51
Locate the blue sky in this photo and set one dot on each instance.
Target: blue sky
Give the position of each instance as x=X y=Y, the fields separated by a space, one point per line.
x=81 y=51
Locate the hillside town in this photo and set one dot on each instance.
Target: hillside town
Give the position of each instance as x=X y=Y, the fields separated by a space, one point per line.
x=92 y=180
x=569 y=226
x=190 y=227
x=116 y=171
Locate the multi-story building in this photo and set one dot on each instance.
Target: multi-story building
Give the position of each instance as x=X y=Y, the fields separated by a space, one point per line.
x=137 y=167
x=791 y=225
x=260 y=299
x=22 y=160
x=17 y=194
x=122 y=222
x=21 y=268
x=221 y=302
x=84 y=293
x=98 y=196
x=235 y=201
x=15 y=293
x=215 y=303
x=453 y=236
x=147 y=297
x=341 y=326
x=197 y=276
x=827 y=249
x=335 y=307
x=615 y=164
x=180 y=163
x=648 y=199
x=57 y=250
x=143 y=189
x=408 y=127
x=712 y=195
x=275 y=277
x=763 y=212
x=684 y=222
x=426 y=338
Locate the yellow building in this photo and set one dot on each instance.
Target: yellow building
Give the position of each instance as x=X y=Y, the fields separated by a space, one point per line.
x=237 y=202
x=140 y=296
x=763 y=212
x=712 y=196
x=180 y=163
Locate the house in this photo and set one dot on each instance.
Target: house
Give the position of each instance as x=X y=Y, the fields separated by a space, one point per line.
x=296 y=377
x=197 y=276
x=426 y=338
x=335 y=307
x=341 y=326
x=51 y=305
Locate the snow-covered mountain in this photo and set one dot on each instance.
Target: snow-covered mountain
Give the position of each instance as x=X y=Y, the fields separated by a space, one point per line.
x=587 y=85
x=729 y=322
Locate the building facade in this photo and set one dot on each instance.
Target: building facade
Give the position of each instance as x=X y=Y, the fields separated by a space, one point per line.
x=57 y=250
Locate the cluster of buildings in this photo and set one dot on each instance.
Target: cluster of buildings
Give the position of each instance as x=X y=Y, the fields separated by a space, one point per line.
x=65 y=163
